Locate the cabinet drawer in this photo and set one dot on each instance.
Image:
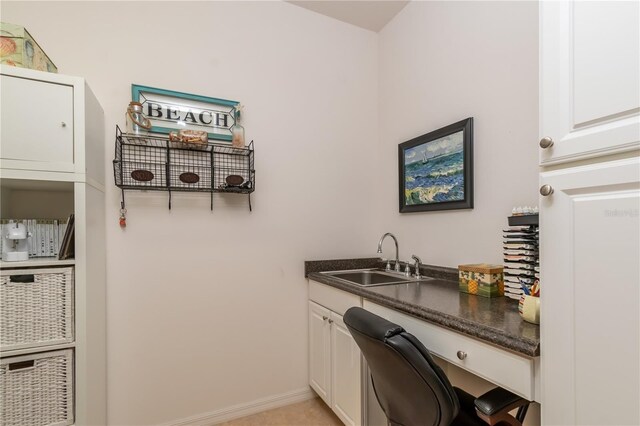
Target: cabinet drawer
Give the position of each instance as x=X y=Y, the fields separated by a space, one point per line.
x=332 y=298
x=36 y=307
x=512 y=372
x=37 y=389
x=37 y=124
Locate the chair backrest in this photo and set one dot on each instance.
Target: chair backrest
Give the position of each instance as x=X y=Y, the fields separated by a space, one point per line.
x=410 y=387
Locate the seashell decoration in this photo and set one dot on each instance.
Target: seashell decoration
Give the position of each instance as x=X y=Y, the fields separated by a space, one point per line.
x=7 y=46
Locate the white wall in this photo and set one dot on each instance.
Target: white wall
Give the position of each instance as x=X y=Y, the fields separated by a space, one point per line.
x=208 y=309
x=441 y=62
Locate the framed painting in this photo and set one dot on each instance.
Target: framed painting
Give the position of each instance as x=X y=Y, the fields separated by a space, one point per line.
x=436 y=169
x=170 y=110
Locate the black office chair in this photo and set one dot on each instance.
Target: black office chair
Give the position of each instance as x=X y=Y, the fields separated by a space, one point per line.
x=412 y=390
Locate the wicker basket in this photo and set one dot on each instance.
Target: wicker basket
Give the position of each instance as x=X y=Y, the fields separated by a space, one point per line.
x=36 y=307
x=37 y=390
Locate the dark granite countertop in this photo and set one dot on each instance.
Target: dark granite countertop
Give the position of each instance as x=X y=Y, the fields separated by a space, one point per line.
x=491 y=320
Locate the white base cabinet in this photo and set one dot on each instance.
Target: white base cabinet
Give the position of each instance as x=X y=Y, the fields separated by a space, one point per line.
x=590 y=305
x=334 y=357
x=320 y=351
x=345 y=373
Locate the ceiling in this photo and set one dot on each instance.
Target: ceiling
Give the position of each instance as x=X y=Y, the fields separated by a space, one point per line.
x=368 y=14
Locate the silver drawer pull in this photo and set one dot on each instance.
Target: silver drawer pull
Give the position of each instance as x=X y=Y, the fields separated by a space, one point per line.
x=546 y=142
x=461 y=355
x=546 y=190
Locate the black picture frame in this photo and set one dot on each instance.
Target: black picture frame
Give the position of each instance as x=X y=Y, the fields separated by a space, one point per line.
x=446 y=193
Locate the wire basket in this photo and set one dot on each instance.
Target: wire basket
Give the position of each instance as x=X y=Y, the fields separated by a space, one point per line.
x=156 y=163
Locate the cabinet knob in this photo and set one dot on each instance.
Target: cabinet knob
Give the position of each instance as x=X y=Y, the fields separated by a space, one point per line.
x=461 y=355
x=546 y=142
x=325 y=318
x=546 y=190
x=63 y=124
x=330 y=321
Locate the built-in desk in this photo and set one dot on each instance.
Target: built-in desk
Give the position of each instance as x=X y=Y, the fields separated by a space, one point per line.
x=488 y=334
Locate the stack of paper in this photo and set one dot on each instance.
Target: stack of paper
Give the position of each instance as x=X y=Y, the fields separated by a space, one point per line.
x=521 y=261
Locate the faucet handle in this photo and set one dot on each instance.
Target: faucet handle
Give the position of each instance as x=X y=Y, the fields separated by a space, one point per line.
x=388 y=267
x=407 y=270
x=418 y=262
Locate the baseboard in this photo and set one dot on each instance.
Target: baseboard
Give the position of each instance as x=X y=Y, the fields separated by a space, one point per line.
x=245 y=409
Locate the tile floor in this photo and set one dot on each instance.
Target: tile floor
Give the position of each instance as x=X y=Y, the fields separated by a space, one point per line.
x=313 y=412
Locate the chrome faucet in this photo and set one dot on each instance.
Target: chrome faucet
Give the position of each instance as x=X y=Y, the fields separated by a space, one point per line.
x=417 y=264
x=388 y=234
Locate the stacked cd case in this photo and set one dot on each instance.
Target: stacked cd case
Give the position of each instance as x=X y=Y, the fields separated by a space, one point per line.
x=521 y=256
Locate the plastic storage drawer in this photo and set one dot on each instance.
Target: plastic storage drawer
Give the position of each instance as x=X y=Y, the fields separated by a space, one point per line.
x=36 y=307
x=37 y=389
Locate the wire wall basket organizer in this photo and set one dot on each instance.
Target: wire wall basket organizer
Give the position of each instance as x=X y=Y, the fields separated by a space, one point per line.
x=154 y=163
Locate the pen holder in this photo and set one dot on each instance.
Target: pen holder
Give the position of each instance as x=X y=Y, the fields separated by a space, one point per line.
x=529 y=308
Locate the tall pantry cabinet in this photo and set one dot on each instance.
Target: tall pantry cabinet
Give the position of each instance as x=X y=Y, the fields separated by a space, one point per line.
x=52 y=165
x=590 y=212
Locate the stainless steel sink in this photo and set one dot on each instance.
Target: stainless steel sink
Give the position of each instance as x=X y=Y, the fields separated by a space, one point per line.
x=371 y=277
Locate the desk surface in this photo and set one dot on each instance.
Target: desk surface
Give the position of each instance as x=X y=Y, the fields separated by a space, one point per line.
x=491 y=320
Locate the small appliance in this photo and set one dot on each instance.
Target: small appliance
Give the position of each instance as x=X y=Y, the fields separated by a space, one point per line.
x=15 y=244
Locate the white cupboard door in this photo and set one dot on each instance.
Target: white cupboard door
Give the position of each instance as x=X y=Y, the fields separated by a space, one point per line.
x=590 y=294
x=36 y=125
x=589 y=78
x=320 y=351
x=345 y=373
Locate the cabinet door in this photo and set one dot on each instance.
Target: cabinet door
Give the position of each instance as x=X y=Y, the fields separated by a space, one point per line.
x=320 y=351
x=36 y=124
x=589 y=78
x=590 y=296
x=345 y=373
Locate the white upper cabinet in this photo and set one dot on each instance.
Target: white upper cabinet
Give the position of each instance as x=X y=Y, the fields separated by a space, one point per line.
x=589 y=79
x=37 y=122
x=50 y=123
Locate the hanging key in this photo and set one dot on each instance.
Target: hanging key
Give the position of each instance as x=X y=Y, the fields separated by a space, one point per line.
x=123 y=218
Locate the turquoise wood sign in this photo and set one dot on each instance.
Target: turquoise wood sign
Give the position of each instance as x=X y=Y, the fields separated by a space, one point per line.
x=169 y=110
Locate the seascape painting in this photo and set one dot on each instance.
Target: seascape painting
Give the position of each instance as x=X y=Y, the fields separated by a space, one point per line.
x=436 y=169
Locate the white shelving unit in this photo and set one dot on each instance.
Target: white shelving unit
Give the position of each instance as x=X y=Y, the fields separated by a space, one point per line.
x=38 y=262
x=52 y=164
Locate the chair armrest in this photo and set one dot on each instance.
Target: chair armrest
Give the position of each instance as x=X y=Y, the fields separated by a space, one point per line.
x=493 y=407
x=497 y=400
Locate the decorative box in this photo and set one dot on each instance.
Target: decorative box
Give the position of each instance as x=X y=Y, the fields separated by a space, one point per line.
x=19 y=49
x=482 y=279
